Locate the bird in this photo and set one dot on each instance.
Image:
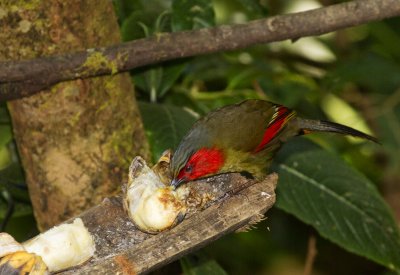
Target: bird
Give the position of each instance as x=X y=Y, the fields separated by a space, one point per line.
x=243 y=137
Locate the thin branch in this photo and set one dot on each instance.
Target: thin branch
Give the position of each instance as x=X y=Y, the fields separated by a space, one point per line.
x=123 y=249
x=24 y=78
x=311 y=254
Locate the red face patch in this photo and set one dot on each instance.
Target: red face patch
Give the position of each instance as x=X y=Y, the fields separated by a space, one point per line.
x=205 y=161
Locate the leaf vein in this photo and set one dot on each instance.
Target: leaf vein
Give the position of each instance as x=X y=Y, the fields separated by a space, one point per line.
x=327 y=190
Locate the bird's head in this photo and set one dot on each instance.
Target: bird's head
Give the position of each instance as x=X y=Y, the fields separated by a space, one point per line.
x=190 y=166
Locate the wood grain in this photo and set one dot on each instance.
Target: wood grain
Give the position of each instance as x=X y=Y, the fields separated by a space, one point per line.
x=123 y=249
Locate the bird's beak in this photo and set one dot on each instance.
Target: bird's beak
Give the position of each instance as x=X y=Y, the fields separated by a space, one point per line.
x=176 y=182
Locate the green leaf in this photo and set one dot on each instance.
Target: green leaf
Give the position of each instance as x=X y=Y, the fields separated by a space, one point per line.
x=20 y=209
x=199 y=265
x=22 y=224
x=12 y=179
x=171 y=73
x=165 y=125
x=124 y=8
x=136 y=15
x=154 y=80
x=149 y=80
x=387 y=36
x=158 y=80
x=359 y=70
x=192 y=14
x=138 y=25
x=345 y=207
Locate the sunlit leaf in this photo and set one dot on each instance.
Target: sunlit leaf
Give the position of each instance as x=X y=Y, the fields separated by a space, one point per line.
x=340 y=111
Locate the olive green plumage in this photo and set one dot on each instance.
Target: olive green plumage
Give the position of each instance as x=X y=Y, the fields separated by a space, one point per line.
x=238 y=130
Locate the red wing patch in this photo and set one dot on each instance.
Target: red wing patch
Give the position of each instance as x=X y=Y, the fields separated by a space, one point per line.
x=281 y=116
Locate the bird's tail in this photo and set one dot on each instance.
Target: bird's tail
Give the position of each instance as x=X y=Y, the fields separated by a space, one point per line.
x=308 y=125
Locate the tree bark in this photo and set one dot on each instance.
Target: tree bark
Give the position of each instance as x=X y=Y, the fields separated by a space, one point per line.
x=76 y=139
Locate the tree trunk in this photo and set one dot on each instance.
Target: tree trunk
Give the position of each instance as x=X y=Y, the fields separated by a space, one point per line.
x=77 y=138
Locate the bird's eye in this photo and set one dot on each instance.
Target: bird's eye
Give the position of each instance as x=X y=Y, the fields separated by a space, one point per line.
x=188 y=169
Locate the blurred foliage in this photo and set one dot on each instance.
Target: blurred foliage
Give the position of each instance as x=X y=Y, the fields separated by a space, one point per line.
x=198 y=264
x=350 y=76
x=16 y=214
